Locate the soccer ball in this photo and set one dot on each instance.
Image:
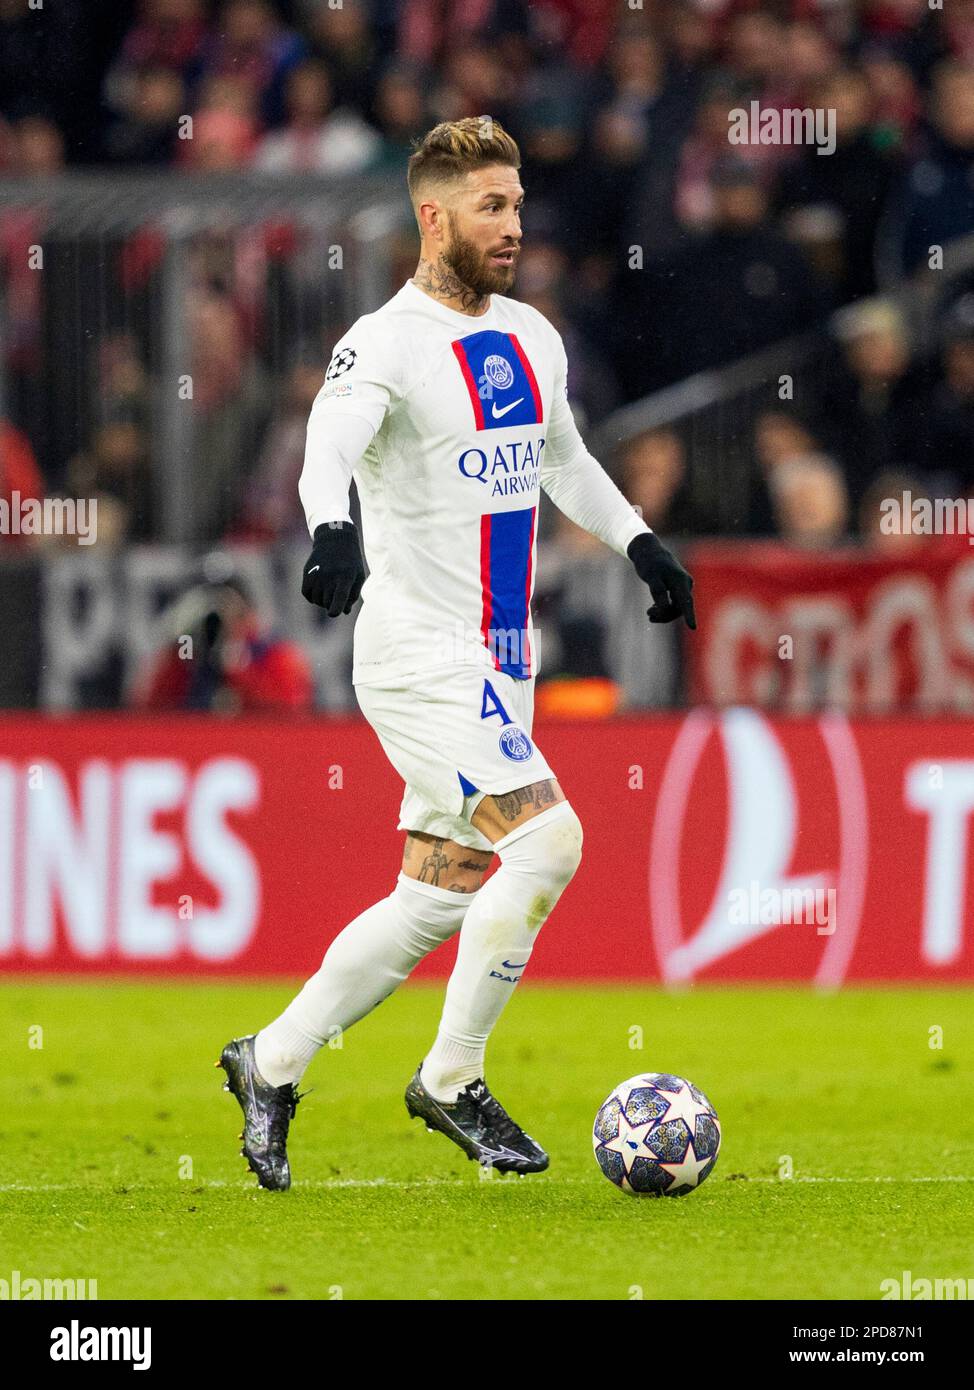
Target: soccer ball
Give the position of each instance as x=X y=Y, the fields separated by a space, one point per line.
x=656 y=1136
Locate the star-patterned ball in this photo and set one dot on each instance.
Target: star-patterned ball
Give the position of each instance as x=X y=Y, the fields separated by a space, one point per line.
x=656 y=1136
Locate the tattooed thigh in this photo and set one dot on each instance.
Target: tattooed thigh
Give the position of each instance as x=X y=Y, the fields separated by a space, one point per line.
x=444 y=863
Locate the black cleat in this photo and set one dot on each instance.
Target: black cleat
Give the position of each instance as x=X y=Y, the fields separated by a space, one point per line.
x=268 y=1112
x=479 y=1125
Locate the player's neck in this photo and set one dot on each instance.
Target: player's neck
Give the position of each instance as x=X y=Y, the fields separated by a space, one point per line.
x=444 y=285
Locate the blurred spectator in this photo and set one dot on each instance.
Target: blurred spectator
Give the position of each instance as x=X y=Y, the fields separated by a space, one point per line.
x=550 y=123
x=704 y=148
x=756 y=51
x=935 y=204
x=121 y=386
x=895 y=98
x=145 y=130
x=733 y=290
x=230 y=411
x=168 y=36
x=221 y=658
x=343 y=39
x=115 y=470
x=38 y=147
x=35 y=147
x=400 y=111
x=852 y=182
x=901 y=542
x=811 y=58
x=645 y=107
x=472 y=79
x=19 y=475
x=317 y=138
x=233 y=92
x=779 y=436
x=543 y=283
x=950 y=419
x=222 y=142
x=249 y=42
x=810 y=502
x=653 y=479
x=272 y=508
x=873 y=401
x=428 y=28
x=583 y=28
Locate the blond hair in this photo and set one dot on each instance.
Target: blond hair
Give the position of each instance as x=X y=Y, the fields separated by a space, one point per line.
x=451 y=149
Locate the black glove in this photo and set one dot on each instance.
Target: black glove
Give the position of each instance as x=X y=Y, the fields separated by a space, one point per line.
x=668 y=581
x=335 y=572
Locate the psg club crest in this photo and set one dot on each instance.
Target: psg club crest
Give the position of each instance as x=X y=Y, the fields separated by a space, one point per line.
x=499 y=372
x=500 y=380
x=515 y=744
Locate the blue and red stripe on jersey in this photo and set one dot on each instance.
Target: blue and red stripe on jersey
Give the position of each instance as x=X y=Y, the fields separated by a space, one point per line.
x=506 y=551
x=500 y=380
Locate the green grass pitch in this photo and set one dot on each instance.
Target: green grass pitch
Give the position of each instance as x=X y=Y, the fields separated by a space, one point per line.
x=120 y=1159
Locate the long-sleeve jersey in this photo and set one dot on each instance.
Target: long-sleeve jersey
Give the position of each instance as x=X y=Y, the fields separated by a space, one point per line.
x=451 y=424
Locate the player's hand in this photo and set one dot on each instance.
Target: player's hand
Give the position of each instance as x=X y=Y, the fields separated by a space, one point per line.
x=335 y=572
x=669 y=583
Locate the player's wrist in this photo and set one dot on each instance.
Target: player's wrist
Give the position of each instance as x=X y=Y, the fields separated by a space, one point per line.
x=645 y=547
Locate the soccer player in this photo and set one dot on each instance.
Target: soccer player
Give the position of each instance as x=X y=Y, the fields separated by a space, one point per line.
x=448 y=406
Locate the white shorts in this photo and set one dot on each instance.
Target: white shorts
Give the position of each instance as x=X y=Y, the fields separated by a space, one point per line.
x=455 y=735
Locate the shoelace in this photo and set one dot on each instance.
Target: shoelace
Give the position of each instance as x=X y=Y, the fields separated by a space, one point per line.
x=290 y=1100
x=500 y=1121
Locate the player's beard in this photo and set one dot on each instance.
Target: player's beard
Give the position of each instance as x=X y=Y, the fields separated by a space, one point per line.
x=473 y=267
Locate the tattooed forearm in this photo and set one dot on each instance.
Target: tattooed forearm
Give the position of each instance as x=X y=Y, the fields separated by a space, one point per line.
x=539 y=794
x=440 y=281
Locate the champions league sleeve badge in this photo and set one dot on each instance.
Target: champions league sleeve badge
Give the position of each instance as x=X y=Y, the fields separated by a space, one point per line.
x=341 y=363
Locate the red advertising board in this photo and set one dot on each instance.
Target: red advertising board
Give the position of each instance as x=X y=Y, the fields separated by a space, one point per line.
x=198 y=846
x=797 y=630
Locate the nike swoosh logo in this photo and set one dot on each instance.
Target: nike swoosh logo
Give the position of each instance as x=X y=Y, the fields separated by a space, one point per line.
x=499 y=414
x=502 y=1152
x=311 y=571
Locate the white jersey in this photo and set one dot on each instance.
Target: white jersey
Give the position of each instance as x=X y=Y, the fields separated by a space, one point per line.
x=469 y=420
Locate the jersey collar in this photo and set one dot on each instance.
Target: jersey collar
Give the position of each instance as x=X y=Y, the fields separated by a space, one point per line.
x=470 y=322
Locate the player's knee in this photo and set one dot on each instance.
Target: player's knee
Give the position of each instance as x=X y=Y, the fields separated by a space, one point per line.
x=566 y=844
x=550 y=848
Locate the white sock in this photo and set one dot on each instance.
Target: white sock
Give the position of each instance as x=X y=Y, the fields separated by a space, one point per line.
x=362 y=966
x=538 y=860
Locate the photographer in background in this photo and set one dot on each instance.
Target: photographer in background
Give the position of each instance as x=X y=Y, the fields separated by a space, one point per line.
x=220 y=657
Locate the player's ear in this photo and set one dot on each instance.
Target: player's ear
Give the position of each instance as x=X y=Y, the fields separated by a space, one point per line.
x=432 y=219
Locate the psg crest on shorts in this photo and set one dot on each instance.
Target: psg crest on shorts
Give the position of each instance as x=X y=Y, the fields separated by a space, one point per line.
x=515 y=744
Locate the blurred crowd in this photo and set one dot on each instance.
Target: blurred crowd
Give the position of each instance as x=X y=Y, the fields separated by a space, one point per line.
x=656 y=247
